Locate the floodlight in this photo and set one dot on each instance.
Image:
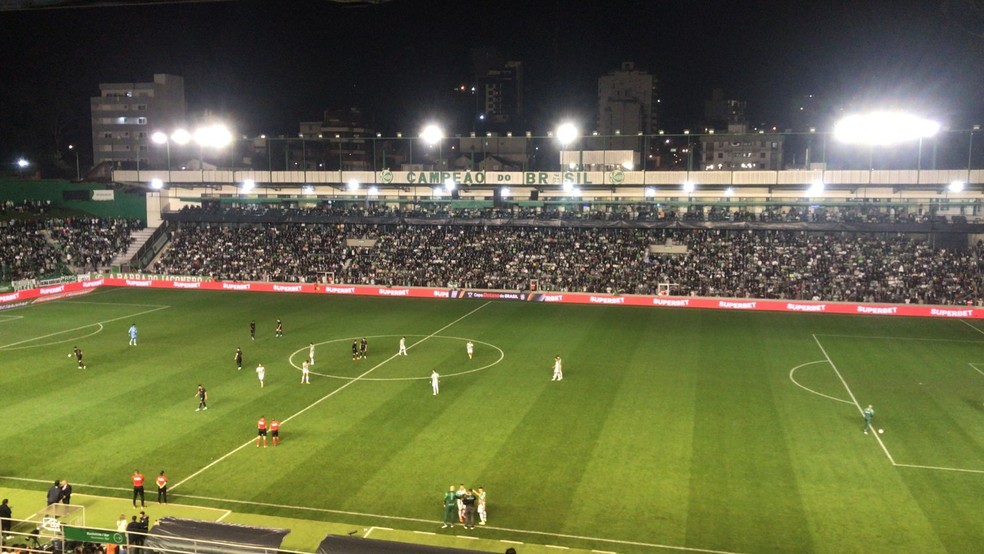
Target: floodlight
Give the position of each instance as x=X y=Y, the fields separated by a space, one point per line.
x=730 y=191
x=956 y=186
x=159 y=137
x=567 y=133
x=353 y=185
x=373 y=191
x=432 y=134
x=504 y=192
x=884 y=128
x=156 y=184
x=650 y=192
x=449 y=184
x=22 y=163
x=181 y=137
x=816 y=188
x=248 y=185
x=568 y=185
x=689 y=186
x=308 y=189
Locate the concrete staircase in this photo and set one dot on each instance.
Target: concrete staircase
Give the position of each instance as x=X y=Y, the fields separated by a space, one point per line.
x=139 y=239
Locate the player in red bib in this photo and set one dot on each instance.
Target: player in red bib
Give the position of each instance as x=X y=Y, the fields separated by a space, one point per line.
x=138 y=487
x=261 y=431
x=275 y=431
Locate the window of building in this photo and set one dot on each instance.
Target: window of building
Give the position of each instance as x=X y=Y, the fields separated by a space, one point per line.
x=141 y=121
x=762 y=155
x=141 y=107
x=108 y=135
x=142 y=148
x=720 y=155
x=126 y=134
x=142 y=134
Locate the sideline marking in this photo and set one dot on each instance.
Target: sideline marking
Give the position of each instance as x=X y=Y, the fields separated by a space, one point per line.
x=977 y=369
x=853 y=398
x=6 y=318
x=223 y=516
x=886 y=337
x=964 y=321
x=791 y=371
x=942 y=468
x=366 y=534
x=502 y=356
x=403 y=518
x=320 y=400
x=5 y=346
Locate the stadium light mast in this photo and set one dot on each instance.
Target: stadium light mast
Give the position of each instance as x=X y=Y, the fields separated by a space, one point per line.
x=432 y=134
x=884 y=128
x=566 y=134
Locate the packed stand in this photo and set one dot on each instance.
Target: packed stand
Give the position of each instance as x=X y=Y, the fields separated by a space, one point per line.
x=25 y=252
x=642 y=212
x=718 y=263
x=92 y=242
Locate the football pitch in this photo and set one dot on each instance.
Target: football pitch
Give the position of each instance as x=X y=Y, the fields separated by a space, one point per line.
x=672 y=430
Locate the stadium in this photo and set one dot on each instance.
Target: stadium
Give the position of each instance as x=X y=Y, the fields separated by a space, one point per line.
x=717 y=357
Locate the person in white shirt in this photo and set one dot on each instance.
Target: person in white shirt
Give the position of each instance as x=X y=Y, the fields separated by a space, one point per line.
x=470 y=348
x=558 y=372
x=434 y=382
x=311 y=353
x=260 y=374
x=305 y=373
x=403 y=346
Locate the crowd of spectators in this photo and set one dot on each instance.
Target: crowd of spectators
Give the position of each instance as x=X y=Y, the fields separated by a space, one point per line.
x=632 y=212
x=92 y=242
x=32 y=248
x=723 y=263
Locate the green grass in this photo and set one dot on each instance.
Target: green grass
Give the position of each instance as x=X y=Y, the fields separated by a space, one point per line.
x=671 y=428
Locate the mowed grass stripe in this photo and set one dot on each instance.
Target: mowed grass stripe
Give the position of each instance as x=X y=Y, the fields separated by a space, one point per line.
x=740 y=448
x=644 y=451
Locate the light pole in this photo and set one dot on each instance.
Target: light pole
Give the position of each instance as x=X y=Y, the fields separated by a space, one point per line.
x=161 y=138
x=432 y=134
x=566 y=134
x=22 y=164
x=78 y=172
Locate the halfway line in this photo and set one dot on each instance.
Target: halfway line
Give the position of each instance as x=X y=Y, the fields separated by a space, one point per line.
x=323 y=398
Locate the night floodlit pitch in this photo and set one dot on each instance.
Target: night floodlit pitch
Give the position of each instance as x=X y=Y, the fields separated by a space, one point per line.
x=672 y=429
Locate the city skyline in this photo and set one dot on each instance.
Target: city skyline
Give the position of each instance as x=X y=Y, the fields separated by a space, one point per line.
x=268 y=67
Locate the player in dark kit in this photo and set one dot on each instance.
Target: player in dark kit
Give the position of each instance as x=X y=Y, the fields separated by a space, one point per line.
x=78 y=357
x=355 y=349
x=363 y=348
x=252 y=330
x=239 y=358
x=202 y=395
x=280 y=328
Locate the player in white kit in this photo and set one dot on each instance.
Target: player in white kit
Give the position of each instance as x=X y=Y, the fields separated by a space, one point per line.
x=434 y=382
x=403 y=346
x=311 y=353
x=558 y=373
x=260 y=374
x=305 y=373
x=470 y=348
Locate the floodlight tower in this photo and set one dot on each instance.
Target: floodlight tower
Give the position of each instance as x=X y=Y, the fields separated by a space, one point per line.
x=884 y=128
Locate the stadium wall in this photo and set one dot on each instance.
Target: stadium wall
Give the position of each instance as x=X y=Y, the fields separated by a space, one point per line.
x=78 y=196
x=22 y=297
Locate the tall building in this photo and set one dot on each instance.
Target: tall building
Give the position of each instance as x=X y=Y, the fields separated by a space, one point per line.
x=740 y=149
x=721 y=112
x=627 y=104
x=342 y=139
x=125 y=115
x=499 y=91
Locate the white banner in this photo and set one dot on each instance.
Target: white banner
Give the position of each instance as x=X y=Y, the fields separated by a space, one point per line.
x=103 y=195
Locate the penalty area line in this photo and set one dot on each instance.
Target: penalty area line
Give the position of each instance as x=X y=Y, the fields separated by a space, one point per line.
x=853 y=398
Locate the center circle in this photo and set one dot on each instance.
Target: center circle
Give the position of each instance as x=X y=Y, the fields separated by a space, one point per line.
x=304 y=350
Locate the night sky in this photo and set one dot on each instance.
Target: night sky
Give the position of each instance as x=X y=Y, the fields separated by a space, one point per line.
x=268 y=65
